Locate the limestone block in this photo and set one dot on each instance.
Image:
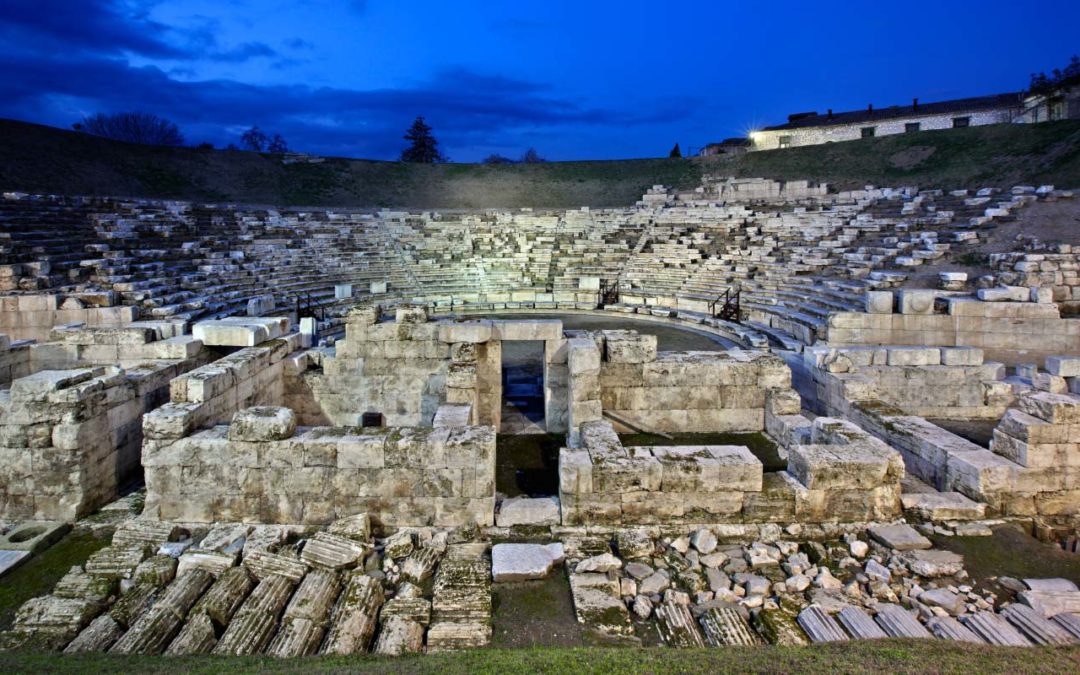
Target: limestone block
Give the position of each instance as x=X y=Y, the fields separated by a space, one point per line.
x=38 y=386
x=627 y=347
x=914 y=356
x=526 y=511
x=399 y=635
x=363 y=315
x=153 y=631
x=856 y=465
x=575 y=472
x=352 y=624
x=1053 y=408
x=331 y=551
x=535 y=329
x=1004 y=294
x=262 y=423
x=961 y=356
x=196 y=637
x=916 y=301
x=1032 y=430
x=519 y=562
x=739 y=469
x=411 y=314
x=1063 y=366
x=240 y=331
x=254 y=623
x=468 y=332
x=879 y=302
x=225 y=596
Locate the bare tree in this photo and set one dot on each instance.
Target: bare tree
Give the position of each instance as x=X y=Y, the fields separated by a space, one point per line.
x=254 y=139
x=132 y=127
x=531 y=156
x=277 y=145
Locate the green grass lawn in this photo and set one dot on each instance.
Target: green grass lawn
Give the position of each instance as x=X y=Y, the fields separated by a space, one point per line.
x=885 y=656
x=39 y=574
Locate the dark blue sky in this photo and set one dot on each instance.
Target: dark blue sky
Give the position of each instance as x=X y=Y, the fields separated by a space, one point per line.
x=577 y=80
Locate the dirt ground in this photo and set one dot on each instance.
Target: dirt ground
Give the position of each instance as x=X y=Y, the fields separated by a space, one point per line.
x=1049 y=222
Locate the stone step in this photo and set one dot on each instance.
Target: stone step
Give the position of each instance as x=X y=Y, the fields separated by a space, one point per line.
x=899 y=622
x=994 y=629
x=948 y=628
x=1070 y=622
x=1036 y=627
x=820 y=626
x=859 y=624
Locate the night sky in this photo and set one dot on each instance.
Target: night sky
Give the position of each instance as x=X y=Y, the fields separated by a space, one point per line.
x=576 y=80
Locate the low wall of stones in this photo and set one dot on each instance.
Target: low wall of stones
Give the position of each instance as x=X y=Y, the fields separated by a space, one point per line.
x=842 y=474
x=69 y=438
x=32 y=317
x=261 y=468
x=70 y=432
x=1006 y=331
x=15 y=359
x=939 y=382
x=211 y=394
x=695 y=392
x=1015 y=477
x=1058 y=271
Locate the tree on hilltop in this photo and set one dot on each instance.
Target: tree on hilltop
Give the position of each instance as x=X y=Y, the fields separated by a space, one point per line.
x=254 y=139
x=531 y=156
x=675 y=152
x=423 y=147
x=132 y=127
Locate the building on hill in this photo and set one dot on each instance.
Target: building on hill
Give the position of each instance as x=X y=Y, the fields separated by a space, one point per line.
x=1060 y=103
x=728 y=146
x=811 y=128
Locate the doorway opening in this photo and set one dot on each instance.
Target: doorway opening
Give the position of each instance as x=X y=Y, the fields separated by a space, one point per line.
x=523 y=387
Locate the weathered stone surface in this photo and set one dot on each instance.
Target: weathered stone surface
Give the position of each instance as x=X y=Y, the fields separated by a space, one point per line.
x=262 y=423
x=677 y=627
x=1036 y=627
x=994 y=629
x=420 y=564
x=899 y=622
x=352 y=623
x=305 y=619
x=399 y=635
x=528 y=511
x=357 y=527
x=254 y=623
x=598 y=605
x=820 y=626
x=222 y=600
x=198 y=636
x=725 y=627
x=948 y=628
x=97 y=637
x=1049 y=603
x=153 y=631
x=899 y=537
x=605 y=562
x=263 y=564
x=332 y=551
x=934 y=563
x=519 y=562
x=945 y=599
x=859 y=624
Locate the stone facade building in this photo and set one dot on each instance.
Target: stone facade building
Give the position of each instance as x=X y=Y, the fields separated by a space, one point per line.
x=812 y=128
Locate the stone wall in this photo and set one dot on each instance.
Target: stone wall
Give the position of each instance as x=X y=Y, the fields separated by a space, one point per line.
x=1010 y=332
x=1057 y=271
x=261 y=468
x=695 y=392
x=71 y=433
x=210 y=395
x=842 y=475
x=32 y=317
x=939 y=382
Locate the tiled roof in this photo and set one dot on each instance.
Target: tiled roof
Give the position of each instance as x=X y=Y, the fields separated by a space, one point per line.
x=974 y=104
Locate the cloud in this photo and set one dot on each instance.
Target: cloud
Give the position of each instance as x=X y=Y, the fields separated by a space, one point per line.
x=462 y=105
x=59 y=67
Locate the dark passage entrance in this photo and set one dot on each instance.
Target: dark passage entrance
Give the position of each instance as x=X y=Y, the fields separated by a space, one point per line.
x=523 y=387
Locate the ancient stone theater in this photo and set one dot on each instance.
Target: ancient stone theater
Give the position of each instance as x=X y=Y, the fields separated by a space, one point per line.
x=752 y=412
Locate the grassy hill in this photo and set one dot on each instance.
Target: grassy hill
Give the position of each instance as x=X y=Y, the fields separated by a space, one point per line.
x=35 y=158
